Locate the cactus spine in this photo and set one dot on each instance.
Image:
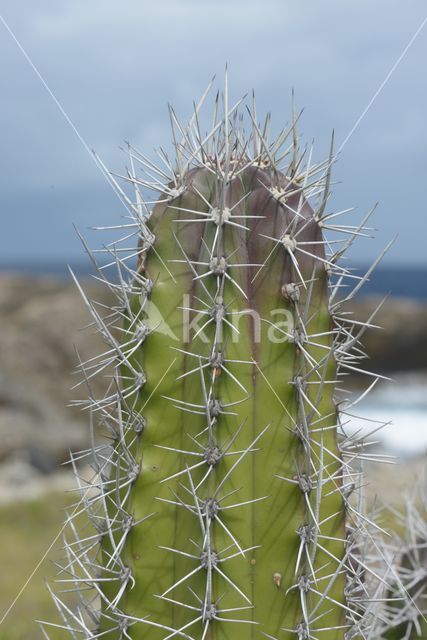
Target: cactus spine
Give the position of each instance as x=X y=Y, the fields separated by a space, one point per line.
x=221 y=509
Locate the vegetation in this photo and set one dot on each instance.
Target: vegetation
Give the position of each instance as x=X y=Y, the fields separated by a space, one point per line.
x=26 y=533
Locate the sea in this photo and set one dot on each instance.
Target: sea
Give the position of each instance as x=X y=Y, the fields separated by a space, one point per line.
x=398 y=281
x=397 y=409
x=395 y=412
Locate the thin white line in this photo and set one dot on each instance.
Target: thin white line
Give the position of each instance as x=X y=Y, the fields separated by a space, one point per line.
x=382 y=85
x=58 y=104
x=25 y=585
x=158 y=384
x=69 y=121
x=46 y=86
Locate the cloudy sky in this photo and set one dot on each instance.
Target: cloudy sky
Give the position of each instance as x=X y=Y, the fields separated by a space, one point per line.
x=114 y=65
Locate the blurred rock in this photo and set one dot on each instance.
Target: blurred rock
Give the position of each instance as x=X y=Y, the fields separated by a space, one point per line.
x=401 y=343
x=32 y=420
x=41 y=459
x=19 y=480
x=41 y=320
x=17 y=472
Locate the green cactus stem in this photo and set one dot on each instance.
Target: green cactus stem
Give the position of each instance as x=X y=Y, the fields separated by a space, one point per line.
x=222 y=506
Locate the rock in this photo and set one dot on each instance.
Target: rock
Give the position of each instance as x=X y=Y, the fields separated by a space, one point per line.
x=41 y=459
x=401 y=343
x=31 y=421
x=17 y=472
x=41 y=320
x=20 y=481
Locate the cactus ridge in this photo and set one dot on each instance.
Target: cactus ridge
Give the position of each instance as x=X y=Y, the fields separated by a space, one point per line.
x=224 y=504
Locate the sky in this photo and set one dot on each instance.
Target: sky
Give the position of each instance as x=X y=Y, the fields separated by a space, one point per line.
x=114 y=65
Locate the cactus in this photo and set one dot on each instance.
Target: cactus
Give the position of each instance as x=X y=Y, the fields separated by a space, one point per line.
x=406 y=610
x=221 y=506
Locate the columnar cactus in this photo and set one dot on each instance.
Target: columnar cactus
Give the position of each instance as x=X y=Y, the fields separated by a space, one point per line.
x=222 y=508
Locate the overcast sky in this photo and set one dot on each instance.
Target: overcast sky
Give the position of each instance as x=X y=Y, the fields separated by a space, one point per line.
x=115 y=64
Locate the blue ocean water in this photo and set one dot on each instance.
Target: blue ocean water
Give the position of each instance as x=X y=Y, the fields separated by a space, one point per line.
x=406 y=282
x=398 y=281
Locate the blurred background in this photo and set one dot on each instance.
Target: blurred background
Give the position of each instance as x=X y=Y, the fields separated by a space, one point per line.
x=80 y=75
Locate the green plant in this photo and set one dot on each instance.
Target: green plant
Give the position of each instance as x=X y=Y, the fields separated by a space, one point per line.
x=222 y=507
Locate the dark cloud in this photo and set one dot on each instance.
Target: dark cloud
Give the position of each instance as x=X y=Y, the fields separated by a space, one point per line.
x=114 y=66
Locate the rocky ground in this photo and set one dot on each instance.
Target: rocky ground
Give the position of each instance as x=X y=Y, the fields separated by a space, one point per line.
x=41 y=332
x=41 y=320
x=400 y=344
